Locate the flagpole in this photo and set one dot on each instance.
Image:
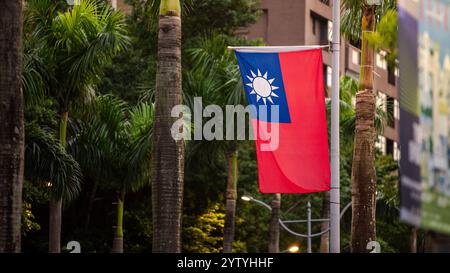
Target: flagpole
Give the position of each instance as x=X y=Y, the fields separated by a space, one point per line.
x=335 y=190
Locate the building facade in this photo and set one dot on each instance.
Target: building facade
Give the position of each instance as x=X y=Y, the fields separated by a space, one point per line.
x=309 y=22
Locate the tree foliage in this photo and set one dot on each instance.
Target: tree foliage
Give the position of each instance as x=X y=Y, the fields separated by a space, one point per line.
x=352 y=12
x=385 y=38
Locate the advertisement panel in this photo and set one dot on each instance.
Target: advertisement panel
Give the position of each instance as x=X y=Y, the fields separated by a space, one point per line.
x=424 y=57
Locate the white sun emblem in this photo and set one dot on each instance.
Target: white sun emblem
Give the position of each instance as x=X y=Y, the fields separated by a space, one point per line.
x=262 y=87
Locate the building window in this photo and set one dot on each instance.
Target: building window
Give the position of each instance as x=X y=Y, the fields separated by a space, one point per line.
x=396 y=110
x=381 y=60
x=391 y=75
x=313 y=25
x=323 y=32
x=380 y=144
x=330 y=31
x=320 y=24
x=390 y=110
x=355 y=57
x=396 y=154
x=327 y=75
x=382 y=100
x=389 y=146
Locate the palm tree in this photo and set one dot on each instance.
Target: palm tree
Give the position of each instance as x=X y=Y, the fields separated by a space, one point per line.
x=348 y=89
x=112 y=144
x=363 y=167
x=167 y=153
x=216 y=79
x=11 y=120
x=78 y=42
x=231 y=196
x=139 y=131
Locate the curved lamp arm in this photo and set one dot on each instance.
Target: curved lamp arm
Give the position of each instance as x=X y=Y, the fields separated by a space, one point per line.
x=290 y=230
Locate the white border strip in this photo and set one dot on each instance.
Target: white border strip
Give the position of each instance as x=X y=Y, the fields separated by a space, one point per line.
x=271 y=49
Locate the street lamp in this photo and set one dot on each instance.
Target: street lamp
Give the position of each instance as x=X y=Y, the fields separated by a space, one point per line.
x=309 y=220
x=246 y=198
x=293 y=249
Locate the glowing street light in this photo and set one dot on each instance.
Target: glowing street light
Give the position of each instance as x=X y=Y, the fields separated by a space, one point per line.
x=293 y=249
x=246 y=198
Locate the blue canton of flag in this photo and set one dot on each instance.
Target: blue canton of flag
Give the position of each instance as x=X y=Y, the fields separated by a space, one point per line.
x=263 y=84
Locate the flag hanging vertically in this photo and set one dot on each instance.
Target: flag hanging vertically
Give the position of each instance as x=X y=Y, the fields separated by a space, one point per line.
x=286 y=87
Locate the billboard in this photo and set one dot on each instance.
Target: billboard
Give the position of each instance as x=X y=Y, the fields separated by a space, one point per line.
x=424 y=89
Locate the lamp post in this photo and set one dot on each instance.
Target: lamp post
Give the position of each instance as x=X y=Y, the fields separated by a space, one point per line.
x=308 y=221
x=335 y=182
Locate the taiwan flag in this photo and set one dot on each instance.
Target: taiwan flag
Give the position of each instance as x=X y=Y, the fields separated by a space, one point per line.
x=285 y=88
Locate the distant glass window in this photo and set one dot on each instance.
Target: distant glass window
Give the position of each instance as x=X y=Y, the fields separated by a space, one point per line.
x=323 y=24
x=355 y=57
x=380 y=144
x=390 y=110
x=382 y=100
x=396 y=154
x=396 y=110
x=329 y=75
x=391 y=76
x=330 y=31
x=389 y=146
x=381 y=60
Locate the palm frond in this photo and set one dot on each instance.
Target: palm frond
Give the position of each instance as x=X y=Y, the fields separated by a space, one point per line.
x=96 y=135
x=47 y=162
x=154 y=6
x=140 y=128
x=78 y=43
x=352 y=12
x=33 y=75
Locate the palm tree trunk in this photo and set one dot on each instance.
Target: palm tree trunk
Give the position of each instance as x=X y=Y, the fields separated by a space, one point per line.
x=55 y=208
x=325 y=238
x=118 y=235
x=413 y=240
x=363 y=168
x=54 y=229
x=90 y=204
x=11 y=122
x=274 y=229
x=230 y=209
x=167 y=154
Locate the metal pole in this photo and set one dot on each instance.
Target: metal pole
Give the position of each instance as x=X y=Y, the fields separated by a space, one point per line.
x=309 y=227
x=334 y=193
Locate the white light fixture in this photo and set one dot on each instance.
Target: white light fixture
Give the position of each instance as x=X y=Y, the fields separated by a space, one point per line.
x=293 y=249
x=246 y=198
